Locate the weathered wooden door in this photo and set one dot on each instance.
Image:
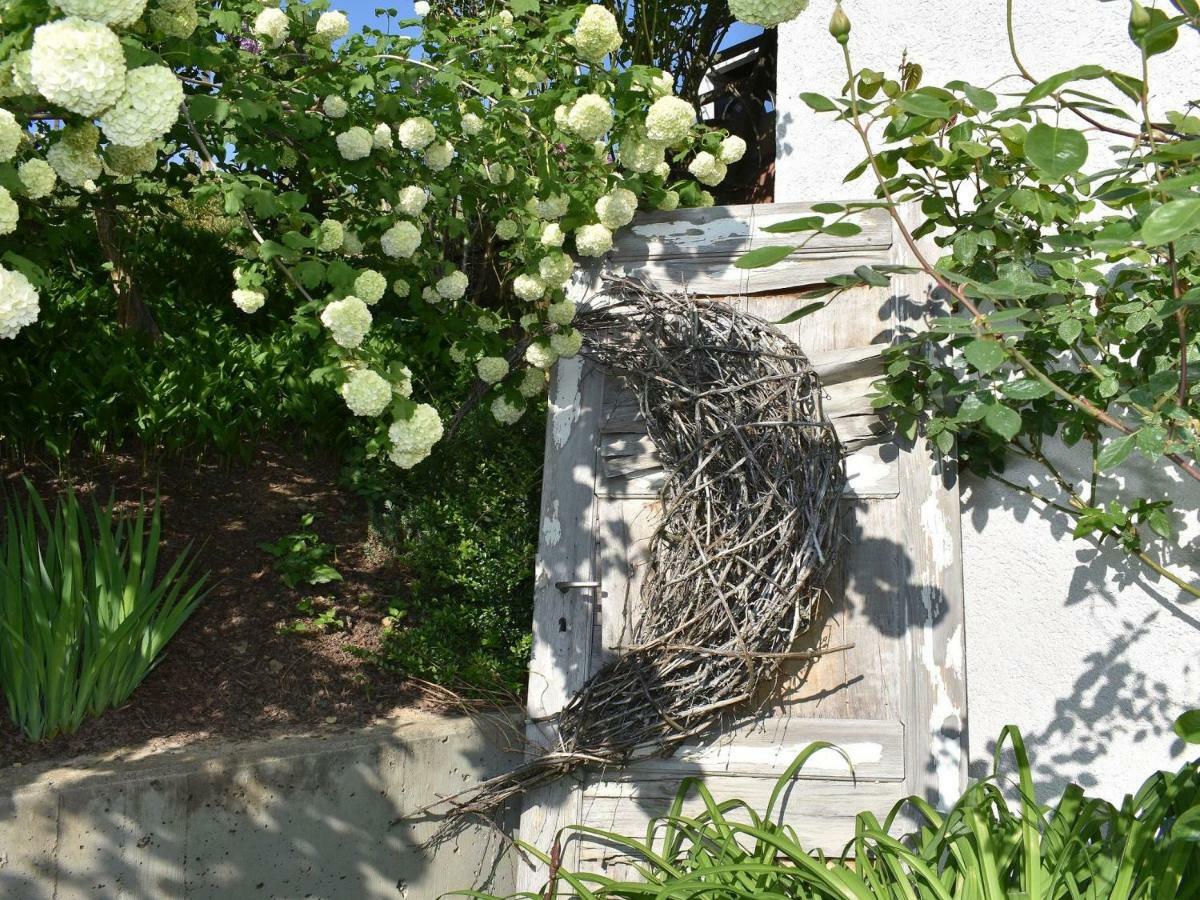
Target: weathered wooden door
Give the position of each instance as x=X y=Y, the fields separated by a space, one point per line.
x=895 y=699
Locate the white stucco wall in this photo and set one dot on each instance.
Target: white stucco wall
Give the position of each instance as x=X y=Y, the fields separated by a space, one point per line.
x=1088 y=655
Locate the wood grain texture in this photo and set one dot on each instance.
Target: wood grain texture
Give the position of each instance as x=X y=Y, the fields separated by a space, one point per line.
x=933 y=592
x=896 y=594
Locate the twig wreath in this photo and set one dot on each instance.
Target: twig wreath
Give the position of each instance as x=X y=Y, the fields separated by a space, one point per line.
x=749 y=528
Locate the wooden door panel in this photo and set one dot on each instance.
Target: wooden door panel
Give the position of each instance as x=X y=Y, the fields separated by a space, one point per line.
x=894 y=698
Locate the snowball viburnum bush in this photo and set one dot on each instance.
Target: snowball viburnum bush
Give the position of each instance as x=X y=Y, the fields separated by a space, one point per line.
x=341 y=167
x=767 y=13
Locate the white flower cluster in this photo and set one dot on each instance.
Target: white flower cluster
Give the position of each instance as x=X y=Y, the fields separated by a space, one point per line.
x=553 y=207
x=147 y=109
x=639 y=154
x=9 y=212
x=175 y=18
x=401 y=288
x=507 y=229
x=561 y=313
x=590 y=117
x=248 y=300
x=37 y=177
x=707 y=169
x=732 y=149
x=567 y=342
x=10 y=135
x=330 y=235
x=662 y=84
x=767 y=13
x=335 y=107
x=596 y=33
x=381 y=137
x=491 y=369
x=18 y=302
x=616 y=208
x=421 y=8
x=111 y=12
x=355 y=143
x=416 y=133
x=471 y=124
x=533 y=382
x=369 y=286
x=348 y=320
x=401 y=240
x=555 y=269
x=529 y=287
x=331 y=26
x=539 y=355
x=453 y=286
x=593 y=240
x=507 y=413
x=669 y=120
x=669 y=201
x=552 y=235
x=131 y=160
x=439 y=155
x=352 y=244
x=272 y=24
x=414 y=437
x=74 y=157
x=78 y=65
x=366 y=392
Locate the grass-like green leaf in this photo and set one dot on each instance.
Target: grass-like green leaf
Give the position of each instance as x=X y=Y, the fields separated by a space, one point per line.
x=762 y=257
x=85 y=611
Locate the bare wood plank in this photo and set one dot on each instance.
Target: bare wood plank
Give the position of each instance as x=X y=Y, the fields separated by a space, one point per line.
x=822 y=812
x=933 y=592
x=728 y=231
x=766 y=746
x=717 y=276
x=562 y=625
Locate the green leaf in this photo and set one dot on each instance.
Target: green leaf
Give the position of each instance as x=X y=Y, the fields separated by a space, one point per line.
x=842 y=229
x=828 y=208
x=921 y=104
x=1024 y=389
x=818 y=102
x=871 y=277
x=972 y=409
x=791 y=226
x=966 y=245
x=763 y=256
x=980 y=99
x=797 y=314
x=1002 y=420
x=1115 y=452
x=1171 y=221
x=1187 y=726
x=1151 y=440
x=1056 y=152
x=1160 y=36
x=1054 y=82
x=985 y=354
x=1069 y=330
x=1160 y=524
x=521 y=7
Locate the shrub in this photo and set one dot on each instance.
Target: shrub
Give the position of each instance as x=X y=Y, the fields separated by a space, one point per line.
x=465 y=525
x=82 y=618
x=985 y=847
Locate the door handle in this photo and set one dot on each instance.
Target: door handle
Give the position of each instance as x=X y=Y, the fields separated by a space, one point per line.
x=565 y=586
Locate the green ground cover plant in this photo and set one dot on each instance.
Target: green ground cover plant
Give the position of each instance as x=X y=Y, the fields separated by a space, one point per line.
x=998 y=842
x=85 y=611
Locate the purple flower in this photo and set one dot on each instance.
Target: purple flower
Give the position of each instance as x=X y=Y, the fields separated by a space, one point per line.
x=249 y=45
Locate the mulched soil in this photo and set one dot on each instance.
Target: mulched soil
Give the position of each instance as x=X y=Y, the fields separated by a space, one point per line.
x=245 y=665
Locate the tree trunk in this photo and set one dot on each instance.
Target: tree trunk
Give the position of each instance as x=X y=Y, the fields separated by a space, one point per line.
x=132 y=312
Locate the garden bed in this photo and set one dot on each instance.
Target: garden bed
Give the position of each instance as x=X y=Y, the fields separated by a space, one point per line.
x=248 y=662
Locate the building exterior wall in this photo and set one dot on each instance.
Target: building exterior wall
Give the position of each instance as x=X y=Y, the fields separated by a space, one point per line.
x=1089 y=654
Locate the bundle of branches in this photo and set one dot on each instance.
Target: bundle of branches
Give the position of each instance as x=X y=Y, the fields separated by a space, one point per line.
x=749 y=526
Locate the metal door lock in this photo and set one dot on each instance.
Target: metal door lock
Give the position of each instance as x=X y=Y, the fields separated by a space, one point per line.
x=565 y=586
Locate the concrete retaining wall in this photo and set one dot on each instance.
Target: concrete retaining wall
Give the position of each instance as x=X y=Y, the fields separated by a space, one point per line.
x=286 y=818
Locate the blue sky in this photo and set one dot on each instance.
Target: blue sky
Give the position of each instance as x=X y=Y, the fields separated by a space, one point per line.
x=362 y=12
